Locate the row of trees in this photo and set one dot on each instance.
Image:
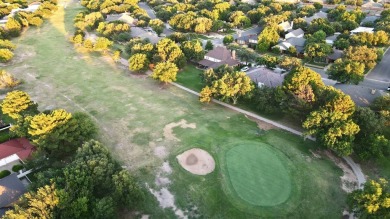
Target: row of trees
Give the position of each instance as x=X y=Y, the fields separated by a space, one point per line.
x=75 y=177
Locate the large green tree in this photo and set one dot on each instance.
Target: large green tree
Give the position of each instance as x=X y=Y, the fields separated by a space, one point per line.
x=373 y=201
x=331 y=123
x=165 y=72
x=267 y=38
x=346 y=71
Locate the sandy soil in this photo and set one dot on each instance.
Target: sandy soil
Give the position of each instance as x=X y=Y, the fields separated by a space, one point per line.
x=197 y=161
x=261 y=124
x=349 y=181
x=168 y=129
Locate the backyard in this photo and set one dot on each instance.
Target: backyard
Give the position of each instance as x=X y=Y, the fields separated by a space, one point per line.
x=135 y=115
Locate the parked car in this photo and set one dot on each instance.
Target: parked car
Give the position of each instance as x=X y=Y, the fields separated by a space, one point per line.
x=260 y=66
x=246 y=68
x=388 y=88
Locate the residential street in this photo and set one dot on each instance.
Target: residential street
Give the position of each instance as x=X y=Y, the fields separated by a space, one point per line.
x=381 y=72
x=152 y=15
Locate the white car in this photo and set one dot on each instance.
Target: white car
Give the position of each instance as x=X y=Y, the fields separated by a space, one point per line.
x=246 y=68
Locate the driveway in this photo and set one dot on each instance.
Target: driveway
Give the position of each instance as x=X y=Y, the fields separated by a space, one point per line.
x=381 y=72
x=361 y=94
x=148 y=10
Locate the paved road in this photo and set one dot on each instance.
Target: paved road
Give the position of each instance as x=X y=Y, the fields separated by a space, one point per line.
x=381 y=72
x=361 y=94
x=148 y=10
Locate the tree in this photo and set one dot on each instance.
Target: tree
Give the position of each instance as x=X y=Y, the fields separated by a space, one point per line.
x=40 y=204
x=165 y=72
x=209 y=45
x=102 y=44
x=232 y=86
x=317 y=51
x=267 y=38
x=13 y=27
x=373 y=201
x=346 y=71
x=126 y=191
x=193 y=50
x=138 y=62
x=370 y=142
x=6 y=44
x=321 y=24
x=16 y=103
x=7 y=80
x=5 y=55
x=205 y=95
x=228 y=39
x=289 y=63
x=362 y=54
x=265 y=99
x=169 y=51
x=157 y=25
x=331 y=123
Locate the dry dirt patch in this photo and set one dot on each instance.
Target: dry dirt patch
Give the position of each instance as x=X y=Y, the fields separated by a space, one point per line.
x=197 y=161
x=349 y=181
x=168 y=129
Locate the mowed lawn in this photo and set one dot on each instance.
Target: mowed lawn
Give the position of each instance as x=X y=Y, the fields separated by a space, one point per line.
x=132 y=112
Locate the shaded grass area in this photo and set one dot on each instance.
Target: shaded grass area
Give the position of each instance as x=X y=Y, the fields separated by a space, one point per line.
x=190 y=77
x=132 y=112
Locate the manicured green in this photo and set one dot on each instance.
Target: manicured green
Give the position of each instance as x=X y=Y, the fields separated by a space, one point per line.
x=4 y=173
x=258 y=174
x=132 y=112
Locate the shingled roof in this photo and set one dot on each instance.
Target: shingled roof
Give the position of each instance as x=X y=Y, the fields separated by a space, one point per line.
x=11 y=188
x=21 y=146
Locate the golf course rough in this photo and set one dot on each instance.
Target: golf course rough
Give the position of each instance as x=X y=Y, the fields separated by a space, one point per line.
x=258 y=174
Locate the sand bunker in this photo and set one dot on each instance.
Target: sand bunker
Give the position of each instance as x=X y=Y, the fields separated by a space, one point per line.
x=168 y=129
x=197 y=161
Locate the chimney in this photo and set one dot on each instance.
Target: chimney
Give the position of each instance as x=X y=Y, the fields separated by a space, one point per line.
x=233 y=54
x=239 y=33
x=292 y=24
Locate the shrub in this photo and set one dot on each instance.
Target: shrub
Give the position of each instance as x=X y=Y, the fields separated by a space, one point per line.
x=17 y=167
x=5 y=55
x=4 y=173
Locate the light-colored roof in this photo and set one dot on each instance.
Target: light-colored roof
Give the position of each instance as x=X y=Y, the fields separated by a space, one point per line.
x=220 y=53
x=295 y=33
x=285 y=25
x=317 y=15
x=297 y=42
x=124 y=17
x=330 y=39
x=362 y=30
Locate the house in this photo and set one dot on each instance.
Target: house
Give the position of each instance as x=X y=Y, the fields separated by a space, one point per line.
x=124 y=17
x=317 y=15
x=370 y=19
x=362 y=30
x=143 y=34
x=286 y=26
x=336 y=54
x=248 y=39
x=265 y=77
x=11 y=188
x=330 y=39
x=219 y=56
x=15 y=149
x=299 y=33
x=298 y=43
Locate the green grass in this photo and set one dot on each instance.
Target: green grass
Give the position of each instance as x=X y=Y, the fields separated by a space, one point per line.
x=189 y=77
x=132 y=112
x=258 y=175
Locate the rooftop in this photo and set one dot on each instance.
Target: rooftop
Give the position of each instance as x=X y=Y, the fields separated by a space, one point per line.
x=21 y=146
x=11 y=188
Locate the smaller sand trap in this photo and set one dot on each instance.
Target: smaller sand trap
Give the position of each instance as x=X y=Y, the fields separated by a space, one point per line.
x=168 y=129
x=197 y=161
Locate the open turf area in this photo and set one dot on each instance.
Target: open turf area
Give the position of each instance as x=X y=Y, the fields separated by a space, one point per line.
x=134 y=113
x=258 y=174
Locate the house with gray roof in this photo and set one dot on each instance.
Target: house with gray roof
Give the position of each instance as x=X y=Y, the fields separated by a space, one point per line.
x=370 y=19
x=11 y=188
x=330 y=39
x=298 y=43
x=124 y=17
x=336 y=54
x=295 y=33
x=266 y=77
x=220 y=55
x=248 y=39
x=317 y=15
x=286 y=26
